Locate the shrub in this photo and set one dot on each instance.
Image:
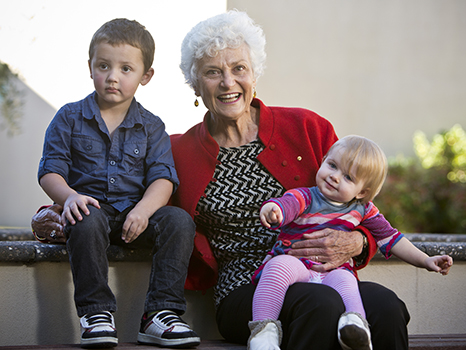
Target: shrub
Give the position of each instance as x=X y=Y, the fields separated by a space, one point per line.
x=428 y=194
x=11 y=102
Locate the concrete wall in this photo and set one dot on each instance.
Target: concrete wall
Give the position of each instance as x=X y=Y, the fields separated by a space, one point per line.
x=39 y=298
x=435 y=302
x=19 y=161
x=382 y=69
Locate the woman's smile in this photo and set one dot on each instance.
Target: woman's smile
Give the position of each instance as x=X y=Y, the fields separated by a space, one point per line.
x=229 y=98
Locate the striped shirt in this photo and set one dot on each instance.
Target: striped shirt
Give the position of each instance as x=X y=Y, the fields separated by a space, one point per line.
x=306 y=210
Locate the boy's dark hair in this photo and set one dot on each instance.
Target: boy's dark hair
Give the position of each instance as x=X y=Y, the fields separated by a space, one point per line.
x=124 y=31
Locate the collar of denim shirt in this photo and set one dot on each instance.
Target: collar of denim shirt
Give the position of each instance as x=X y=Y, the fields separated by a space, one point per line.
x=133 y=117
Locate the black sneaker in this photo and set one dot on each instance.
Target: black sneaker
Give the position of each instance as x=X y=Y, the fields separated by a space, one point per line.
x=166 y=328
x=98 y=331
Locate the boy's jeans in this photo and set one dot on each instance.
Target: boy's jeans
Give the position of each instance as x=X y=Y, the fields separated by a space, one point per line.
x=170 y=235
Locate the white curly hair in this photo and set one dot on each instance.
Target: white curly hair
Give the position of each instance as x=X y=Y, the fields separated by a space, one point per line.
x=226 y=30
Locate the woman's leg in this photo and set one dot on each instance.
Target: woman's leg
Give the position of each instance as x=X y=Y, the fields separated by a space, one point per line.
x=278 y=274
x=309 y=316
x=387 y=316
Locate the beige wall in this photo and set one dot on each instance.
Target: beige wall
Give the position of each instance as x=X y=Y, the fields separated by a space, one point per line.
x=382 y=69
x=39 y=297
x=20 y=193
x=434 y=302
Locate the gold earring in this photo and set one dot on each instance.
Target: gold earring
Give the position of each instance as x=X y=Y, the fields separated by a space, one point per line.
x=196 y=103
x=254 y=94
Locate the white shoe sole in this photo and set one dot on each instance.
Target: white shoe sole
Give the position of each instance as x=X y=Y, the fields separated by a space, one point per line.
x=353 y=334
x=99 y=343
x=179 y=342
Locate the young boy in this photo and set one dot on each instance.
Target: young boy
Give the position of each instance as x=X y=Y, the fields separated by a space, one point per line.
x=108 y=162
x=351 y=175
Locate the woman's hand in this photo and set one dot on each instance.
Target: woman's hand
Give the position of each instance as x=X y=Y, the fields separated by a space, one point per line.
x=330 y=247
x=47 y=224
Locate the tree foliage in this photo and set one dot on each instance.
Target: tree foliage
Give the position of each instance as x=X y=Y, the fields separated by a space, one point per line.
x=11 y=102
x=427 y=194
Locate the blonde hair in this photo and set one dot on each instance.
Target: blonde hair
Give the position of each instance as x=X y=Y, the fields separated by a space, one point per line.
x=365 y=160
x=121 y=31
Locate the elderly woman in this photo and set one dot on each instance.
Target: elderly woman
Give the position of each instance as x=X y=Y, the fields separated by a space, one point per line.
x=243 y=153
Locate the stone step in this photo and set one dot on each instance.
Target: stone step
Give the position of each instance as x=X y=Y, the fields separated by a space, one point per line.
x=416 y=342
x=437 y=342
x=205 y=345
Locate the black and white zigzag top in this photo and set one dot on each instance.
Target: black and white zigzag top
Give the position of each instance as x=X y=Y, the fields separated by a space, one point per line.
x=229 y=215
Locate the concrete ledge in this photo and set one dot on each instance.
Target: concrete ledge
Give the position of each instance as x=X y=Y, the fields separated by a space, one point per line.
x=437 y=341
x=33 y=251
x=416 y=342
x=15 y=234
x=435 y=244
x=17 y=246
x=205 y=345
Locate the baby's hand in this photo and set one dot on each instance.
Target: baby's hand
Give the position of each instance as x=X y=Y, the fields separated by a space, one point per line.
x=439 y=263
x=271 y=215
x=75 y=203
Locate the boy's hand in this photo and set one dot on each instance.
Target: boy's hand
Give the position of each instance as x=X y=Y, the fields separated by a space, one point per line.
x=135 y=224
x=74 y=203
x=439 y=263
x=271 y=215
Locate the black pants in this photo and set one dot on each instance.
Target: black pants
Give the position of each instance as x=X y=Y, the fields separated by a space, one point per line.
x=310 y=316
x=170 y=235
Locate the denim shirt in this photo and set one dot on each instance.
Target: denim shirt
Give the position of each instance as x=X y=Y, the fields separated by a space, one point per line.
x=114 y=170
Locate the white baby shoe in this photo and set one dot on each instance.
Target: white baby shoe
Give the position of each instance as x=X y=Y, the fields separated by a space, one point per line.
x=353 y=332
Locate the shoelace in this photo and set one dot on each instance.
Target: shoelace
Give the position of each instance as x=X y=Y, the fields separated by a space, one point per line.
x=102 y=318
x=168 y=318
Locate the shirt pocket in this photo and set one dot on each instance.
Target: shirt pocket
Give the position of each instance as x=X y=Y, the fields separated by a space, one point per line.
x=88 y=154
x=134 y=155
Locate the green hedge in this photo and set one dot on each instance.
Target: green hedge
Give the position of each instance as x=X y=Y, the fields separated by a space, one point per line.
x=427 y=194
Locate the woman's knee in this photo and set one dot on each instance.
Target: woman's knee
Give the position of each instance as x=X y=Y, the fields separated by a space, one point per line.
x=313 y=298
x=381 y=301
x=310 y=316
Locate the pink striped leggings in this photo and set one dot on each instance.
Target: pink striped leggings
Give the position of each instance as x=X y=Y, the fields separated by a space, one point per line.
x=283 y=270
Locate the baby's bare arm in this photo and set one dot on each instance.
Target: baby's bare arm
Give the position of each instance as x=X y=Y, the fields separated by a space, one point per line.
x=408 y=252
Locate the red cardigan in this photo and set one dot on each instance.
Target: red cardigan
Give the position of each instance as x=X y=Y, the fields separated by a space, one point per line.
x=295 y=142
